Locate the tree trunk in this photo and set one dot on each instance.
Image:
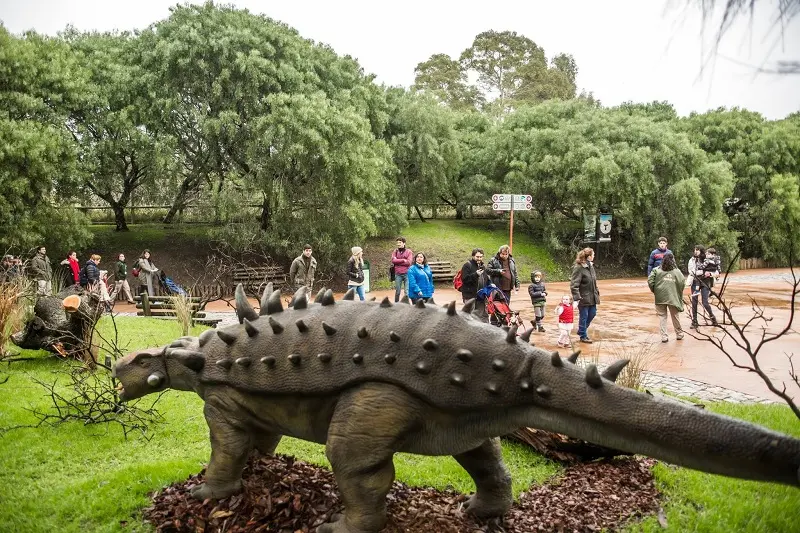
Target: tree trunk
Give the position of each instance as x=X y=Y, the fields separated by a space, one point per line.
x=119 y=217
x=419 y=213
x=187 y=186
x=561 y=447
x=459 y=212
x=265 y=221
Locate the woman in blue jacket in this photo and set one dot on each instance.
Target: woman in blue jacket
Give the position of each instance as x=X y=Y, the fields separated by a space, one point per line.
x=420 y=279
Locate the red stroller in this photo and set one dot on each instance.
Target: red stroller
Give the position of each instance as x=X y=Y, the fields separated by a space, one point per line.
x=497 y=308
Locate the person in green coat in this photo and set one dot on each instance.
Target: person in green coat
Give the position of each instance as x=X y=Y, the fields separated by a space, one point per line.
x=667 y=283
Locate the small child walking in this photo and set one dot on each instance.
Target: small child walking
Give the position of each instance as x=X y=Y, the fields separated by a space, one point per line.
x=566 y=319
x=538 y=294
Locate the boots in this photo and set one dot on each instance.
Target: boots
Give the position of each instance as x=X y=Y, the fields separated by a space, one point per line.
x=537 y=326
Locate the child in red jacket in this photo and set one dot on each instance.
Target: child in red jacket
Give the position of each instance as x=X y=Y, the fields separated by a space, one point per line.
x=566 y=319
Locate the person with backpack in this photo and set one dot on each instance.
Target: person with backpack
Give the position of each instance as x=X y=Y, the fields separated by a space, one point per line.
x=90 y=274
x=469 y=277
x=121 y=280
x=420 y=279
x=402 y=259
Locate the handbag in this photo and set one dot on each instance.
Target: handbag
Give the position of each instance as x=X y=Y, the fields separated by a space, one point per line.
x=391 y=273
x=135 y=272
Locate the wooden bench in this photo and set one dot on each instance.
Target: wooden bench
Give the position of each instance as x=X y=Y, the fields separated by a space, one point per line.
x=254 y=279
x=164 y=307
x=441 y=270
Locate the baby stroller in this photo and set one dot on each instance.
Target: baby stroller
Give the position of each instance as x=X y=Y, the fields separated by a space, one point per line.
x=497 y=308
x=169 y=286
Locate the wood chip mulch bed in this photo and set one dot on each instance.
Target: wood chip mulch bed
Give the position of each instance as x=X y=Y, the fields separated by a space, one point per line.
x=285 y=495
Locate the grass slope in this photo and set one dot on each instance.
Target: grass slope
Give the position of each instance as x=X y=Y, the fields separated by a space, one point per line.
x=77 y=478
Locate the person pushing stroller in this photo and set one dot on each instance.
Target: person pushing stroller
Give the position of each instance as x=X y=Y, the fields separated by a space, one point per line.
x=538 y=294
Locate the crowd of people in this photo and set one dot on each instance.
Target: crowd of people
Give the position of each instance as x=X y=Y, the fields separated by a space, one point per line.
x=413 y=277
x=89 y=276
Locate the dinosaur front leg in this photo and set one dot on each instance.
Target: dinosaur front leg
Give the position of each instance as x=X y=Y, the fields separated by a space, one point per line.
x=230 y=446
x=266 y=443
x=485 y=465
x=364 y=431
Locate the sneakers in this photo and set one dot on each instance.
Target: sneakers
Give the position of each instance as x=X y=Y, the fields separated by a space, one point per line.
x=586 y=340
x=540 y=328
x=694 y=325
x=679 y=337
x=664 y=339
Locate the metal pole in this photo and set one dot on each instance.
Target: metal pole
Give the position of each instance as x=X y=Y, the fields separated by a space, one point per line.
x=511 y=228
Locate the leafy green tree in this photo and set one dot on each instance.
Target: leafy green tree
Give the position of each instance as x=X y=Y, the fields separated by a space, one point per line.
x=445 y=79
x=39 y=81
x=470 y=185
x=424 y=147
x=117 y=153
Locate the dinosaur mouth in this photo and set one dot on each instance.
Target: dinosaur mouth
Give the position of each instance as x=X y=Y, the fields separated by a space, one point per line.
x=120 y=390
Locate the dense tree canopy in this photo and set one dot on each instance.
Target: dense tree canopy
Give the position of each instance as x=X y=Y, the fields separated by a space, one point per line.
x=294 y=142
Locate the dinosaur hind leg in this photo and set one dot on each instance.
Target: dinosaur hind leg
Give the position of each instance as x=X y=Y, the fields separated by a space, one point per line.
x=266 y=443
x=363 y=434
x=485 y=465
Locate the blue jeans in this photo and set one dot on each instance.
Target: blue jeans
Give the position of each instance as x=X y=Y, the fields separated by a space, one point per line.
x=585 y=316
x=359 y=290
x=400 y=282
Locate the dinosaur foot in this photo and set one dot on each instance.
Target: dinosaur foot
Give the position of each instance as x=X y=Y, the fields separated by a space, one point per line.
x=339 y=525
x=204 y=492
x=486 y=507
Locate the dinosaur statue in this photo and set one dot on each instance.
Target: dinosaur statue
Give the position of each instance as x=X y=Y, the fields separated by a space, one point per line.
x=369 y=379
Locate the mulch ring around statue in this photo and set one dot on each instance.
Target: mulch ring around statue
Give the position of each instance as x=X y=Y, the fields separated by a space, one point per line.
x=286 y=495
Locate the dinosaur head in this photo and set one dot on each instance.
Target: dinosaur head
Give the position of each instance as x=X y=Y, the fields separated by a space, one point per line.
x=141 y=373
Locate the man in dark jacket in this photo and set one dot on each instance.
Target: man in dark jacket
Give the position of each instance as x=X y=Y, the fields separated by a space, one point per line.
x=471 y=274
x=121 y=280
x=90 y=275
x=303 y=270
x=42 y=272
x=657 y=255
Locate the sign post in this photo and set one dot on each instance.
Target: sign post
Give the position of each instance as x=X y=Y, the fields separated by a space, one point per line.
x=511 y=203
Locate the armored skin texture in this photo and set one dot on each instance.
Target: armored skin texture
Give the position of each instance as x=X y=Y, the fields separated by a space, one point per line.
x=372 y=379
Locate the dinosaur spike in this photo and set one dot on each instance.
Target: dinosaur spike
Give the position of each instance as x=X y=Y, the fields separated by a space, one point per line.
x=274 y=304
x=300 y=300
x=573 y=358
x=244 y=361
x=430 y=301
x=464 y=355
x=469 y=306
x=330 y=330
x=327 y=298
x=394 y=336
x=373 y=299
x=385 y=302
x=301 y=326
x=205 y=337
x=226 y=336
x=555 y=359
x=390 y=358
x=268 y=360
x=251 y=330
x=265 y=299
x=358 y=358
x=544 y=391
x=225 y=363
x=324 y=357
x=420 y=304
x=350 y=295
x=320 y=296
x=155 y=380
x=423 y=367
x=295 y=359
x=612 y=371
x=451 y=308
x=404 y=299
x=275 y=325
x=180 y=343
x=511 y=338
x=593 y=376
x=458 y=380
x=526 y=335
x=430 y=344
x=498 y=364
x=243 y=307
x=190 y=359
x=362 y=333
x=525 y=385
x=492 y=388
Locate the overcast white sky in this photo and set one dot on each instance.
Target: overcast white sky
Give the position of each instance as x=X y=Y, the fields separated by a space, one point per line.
x=640 y=50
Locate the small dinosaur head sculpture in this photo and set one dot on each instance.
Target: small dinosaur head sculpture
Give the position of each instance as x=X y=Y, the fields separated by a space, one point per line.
x=141 y=373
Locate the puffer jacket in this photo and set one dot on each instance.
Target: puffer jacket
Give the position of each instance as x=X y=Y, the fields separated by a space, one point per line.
x=420 y=279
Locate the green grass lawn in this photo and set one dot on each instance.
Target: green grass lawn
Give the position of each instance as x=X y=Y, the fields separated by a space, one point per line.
x=90 y=478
